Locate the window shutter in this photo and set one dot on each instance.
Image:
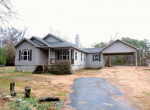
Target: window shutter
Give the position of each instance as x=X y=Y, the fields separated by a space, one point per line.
x=93 y=57
x=58 y=55
x=99 y=57
x=30 y=55
x=19 y=55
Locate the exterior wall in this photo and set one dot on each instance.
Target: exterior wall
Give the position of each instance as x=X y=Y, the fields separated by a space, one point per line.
x=41 y=56
x=93 y=64
x=78 y=62
x=25 y=45
x=52 y=39
x=118 y=47
x=38 y=42
x=25 y=68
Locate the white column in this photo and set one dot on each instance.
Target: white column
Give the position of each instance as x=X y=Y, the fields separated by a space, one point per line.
x=70 y=55
x=49 y=56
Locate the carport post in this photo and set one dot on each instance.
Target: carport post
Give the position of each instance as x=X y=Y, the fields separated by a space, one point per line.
x=49 y=56
x=136 y=58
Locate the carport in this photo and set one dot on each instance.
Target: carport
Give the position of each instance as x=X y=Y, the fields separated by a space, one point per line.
x=120 y=48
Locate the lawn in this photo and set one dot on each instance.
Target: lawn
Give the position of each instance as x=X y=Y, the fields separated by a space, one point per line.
x=133 y=83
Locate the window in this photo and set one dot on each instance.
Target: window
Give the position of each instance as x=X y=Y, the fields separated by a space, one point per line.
x=84 y=57
x=81 y=56
x=64 y=55
x=96 y=57
x=75 y=55
x=25 y=54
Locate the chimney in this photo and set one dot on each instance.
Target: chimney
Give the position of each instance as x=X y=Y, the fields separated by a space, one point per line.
x=77 y=41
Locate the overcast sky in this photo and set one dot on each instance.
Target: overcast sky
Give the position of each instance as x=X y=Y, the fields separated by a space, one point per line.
x=93 y=20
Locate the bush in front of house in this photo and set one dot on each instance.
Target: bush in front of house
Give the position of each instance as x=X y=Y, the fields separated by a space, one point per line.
x=61 y=67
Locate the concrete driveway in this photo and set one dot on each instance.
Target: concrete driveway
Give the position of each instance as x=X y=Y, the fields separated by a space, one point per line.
x=95 y=94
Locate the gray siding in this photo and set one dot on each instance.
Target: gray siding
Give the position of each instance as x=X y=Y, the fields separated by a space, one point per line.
x=25 y=45
x=42 y=56
x=38 y=42
x=119 y=47
x=52 y=39
x=91 y=63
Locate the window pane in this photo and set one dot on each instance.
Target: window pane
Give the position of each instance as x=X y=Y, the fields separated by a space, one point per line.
x=25 y=57
x=96 y=59
x=64 y=53
x=25 y=52
x=96 y=55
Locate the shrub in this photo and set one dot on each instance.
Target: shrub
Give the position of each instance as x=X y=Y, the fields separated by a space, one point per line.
x=61 y=67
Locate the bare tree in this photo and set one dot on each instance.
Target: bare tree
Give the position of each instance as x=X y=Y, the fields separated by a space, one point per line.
x=58 y=33
x=6 y=10
x=11 y=35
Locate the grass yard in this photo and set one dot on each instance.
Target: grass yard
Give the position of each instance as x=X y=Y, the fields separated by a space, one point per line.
x=133 y=83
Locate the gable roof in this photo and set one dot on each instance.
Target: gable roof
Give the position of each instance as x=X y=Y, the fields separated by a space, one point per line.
x=41 y=40
x=28 y=40
x=54 y=37
x=122 y=42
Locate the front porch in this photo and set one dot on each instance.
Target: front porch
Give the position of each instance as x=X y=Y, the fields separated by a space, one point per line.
x=51 y=56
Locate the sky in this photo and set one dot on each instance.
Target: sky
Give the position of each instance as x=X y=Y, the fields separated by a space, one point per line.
x=93 y=20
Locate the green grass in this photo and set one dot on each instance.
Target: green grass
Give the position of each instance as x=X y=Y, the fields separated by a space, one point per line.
x=147 y=69
x=113 y=71
x=146 y=94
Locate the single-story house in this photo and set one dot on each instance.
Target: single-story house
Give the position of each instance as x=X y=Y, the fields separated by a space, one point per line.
x=30 y=53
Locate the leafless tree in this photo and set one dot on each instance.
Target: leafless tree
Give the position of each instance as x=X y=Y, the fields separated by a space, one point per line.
x=6 y=11
x=11 y=35
x=58 y=34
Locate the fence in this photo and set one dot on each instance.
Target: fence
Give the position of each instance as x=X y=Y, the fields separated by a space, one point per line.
x=2 y=68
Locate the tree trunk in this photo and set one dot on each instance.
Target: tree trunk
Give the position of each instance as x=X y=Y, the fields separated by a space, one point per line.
x=27 y=91
x=13 y=89
x=48 y=99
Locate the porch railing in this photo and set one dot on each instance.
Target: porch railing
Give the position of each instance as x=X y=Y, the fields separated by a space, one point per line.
x=54 y=60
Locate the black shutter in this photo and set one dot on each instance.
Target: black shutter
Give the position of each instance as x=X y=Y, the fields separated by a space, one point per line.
x=30 y=55
x=58 y=55
x=19 y=55
x=99 y=57
x=93 y=57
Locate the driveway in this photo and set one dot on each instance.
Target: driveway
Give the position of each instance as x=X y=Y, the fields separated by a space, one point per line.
x=95 y=94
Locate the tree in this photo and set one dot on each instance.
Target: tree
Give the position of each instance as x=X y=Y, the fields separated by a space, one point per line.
x=58 y=34
x=2 y=56
x=6 y=10
x=101 y=44
x=11 y=37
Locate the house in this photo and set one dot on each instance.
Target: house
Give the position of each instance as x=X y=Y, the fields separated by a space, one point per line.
x=33 y=52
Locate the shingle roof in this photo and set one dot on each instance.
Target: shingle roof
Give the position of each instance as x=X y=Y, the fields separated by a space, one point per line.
x=43 y=41
x=92 y=50
x=28 y=41
x=60 y=44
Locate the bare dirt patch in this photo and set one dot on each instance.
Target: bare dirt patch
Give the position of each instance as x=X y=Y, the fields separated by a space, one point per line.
x=133 y=83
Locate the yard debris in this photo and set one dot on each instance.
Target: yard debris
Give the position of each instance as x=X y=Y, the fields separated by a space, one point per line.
x=48 y=99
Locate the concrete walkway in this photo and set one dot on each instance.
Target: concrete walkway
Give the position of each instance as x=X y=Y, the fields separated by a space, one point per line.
x=95 y=94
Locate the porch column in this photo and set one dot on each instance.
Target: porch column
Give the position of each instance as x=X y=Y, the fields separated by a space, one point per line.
x=49 y=56
x=70 y=55
x=136 y=59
